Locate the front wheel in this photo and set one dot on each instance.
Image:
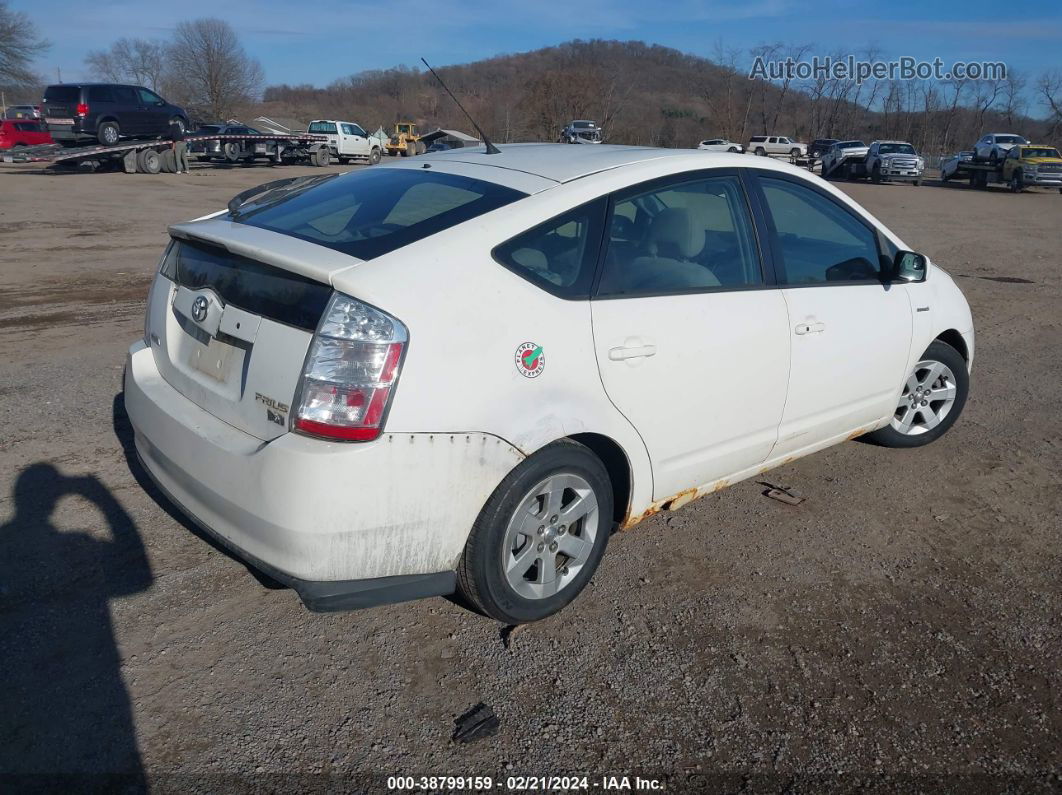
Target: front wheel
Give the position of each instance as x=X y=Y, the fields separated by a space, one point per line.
x=931 y=400
x=374 y=156
x=540 y=536
x=1016 y=184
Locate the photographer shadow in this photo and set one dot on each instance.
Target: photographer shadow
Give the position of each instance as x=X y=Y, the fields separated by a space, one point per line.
x=67 y=719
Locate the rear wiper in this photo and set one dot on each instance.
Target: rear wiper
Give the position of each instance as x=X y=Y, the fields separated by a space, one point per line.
x=281 y=187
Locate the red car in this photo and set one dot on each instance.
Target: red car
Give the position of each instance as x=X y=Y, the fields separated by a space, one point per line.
x=22 y=132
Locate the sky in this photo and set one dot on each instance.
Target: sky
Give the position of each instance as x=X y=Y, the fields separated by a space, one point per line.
x=333 y=39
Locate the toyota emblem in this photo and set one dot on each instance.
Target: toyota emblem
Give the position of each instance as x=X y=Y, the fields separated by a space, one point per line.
x=199 y=308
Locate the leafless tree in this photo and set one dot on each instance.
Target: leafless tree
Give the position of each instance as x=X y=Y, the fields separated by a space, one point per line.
x=1049 y=87
x=210 y=71
x=137 y=61
x=19 y=45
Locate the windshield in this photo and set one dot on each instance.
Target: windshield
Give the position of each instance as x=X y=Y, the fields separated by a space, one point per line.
x=369 y=213
x=1039 y=151
x=1010 y=139
x=896 y=149
x=583 y=125
x=325 y=127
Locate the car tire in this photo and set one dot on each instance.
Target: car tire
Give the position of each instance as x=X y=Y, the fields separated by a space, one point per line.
x=875 y=174
x=761 y=151
x=993 y=157
x=322 y=157
x=107 y=133
x=148 y=162
x=794 y=153
x=919 y=420
x=732 y=149
x=1016 y=182
x=167 y=161
x=374 y=156
x=917 y=182
x=504 y=571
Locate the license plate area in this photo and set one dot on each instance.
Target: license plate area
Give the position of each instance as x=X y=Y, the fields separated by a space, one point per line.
x=214 y=359
x=52 y=120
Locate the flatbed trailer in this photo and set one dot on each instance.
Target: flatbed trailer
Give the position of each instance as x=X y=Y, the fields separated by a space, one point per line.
x=981 y=174
x=852 y=167
x=156 y=154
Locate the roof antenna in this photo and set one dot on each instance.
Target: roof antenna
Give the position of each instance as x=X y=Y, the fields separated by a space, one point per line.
x=491 y=148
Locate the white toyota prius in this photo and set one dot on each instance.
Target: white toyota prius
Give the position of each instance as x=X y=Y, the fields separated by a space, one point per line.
x=463 y=372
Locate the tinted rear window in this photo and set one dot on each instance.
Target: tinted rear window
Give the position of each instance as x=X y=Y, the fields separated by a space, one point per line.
x=271 y=292
x=375 y=211
x=62 y=93
x=100 y=94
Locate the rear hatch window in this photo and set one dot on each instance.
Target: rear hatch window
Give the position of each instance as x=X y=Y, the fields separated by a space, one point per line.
x=62 y=93
x=368 y=213
x=250 y=285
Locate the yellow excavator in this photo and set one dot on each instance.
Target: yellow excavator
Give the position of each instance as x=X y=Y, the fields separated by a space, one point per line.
x=405 y=140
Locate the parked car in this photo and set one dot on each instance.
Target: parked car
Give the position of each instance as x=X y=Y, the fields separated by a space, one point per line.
x=994 y=146
x=894 y=160
x=581 y=131
x=838 y=153
x=720 y=145
x=347 y=140
x=22 y=112
x=951 y=165
x=776 y=145
x=589 y=341
x=819 y=146
x=1029 y=166
x=84 y=113
x=231 y=151
x=22 y=132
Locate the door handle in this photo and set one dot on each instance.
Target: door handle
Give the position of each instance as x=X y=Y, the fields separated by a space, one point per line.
x=635 y=352
x=810 y=328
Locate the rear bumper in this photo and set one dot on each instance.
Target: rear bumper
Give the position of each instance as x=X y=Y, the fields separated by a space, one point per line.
x=346 y=525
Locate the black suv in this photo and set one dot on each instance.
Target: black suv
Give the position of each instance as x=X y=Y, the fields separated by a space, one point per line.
x=81 y=113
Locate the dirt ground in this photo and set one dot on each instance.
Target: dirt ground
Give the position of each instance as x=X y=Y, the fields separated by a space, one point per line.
x=898 y=631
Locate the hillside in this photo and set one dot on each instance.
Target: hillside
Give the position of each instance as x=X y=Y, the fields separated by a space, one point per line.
x=650 y=95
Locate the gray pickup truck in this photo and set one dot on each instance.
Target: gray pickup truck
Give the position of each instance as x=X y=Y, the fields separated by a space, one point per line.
x=894 y=160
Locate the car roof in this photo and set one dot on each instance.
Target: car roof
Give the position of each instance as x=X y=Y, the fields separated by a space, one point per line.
x=558 y=162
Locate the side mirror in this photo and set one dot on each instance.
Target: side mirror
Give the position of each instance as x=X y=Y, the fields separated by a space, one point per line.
x=909 y=266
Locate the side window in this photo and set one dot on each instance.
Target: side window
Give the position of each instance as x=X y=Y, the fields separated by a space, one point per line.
x=149 y=98
x=559 y=255
x=100 y=94
x=125 y=95
x=348 y=129
x=358 y=131
x=684 y=237
x=818 y=240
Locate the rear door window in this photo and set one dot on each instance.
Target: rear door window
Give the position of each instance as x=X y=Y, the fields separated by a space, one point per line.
x=375 y=211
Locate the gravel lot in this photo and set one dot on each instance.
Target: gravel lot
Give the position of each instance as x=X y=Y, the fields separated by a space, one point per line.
x=898 y=631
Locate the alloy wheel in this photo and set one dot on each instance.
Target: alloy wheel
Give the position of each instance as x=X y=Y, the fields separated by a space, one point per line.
x=550 y=536
x=927 y=398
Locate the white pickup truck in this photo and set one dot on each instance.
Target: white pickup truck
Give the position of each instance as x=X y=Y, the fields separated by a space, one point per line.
x=347 y=140
x=776 y=145
x=894 y=160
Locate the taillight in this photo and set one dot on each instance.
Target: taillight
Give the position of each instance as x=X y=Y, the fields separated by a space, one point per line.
x=82 y=109
x=350 y=371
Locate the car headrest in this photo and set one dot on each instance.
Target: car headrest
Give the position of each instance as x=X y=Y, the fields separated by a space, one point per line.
x=674 y=233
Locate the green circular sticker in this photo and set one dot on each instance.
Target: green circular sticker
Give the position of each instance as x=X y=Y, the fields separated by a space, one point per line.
x=530 y=359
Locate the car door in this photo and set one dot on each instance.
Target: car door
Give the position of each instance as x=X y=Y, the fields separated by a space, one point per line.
x=850 y=332
x=126 y=108
x=154 y=112
x=691 y=339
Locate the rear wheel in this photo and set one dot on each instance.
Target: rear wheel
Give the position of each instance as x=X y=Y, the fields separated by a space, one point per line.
x=540 y=536
x=931 y=400
x=794 y=153
x=761 y=151
x=107 y=133
x=875 y=174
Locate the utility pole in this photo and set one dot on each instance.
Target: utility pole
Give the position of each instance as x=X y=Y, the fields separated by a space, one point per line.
x=59 y=73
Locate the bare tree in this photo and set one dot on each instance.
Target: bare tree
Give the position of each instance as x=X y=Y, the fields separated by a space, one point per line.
x=129 y=61
x=19 y=45
x=1049 y=87
x=210 y=71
